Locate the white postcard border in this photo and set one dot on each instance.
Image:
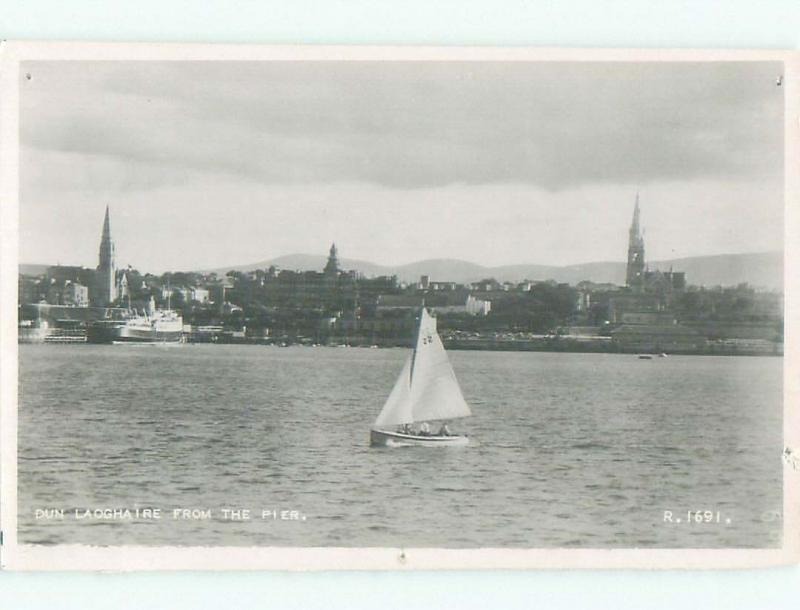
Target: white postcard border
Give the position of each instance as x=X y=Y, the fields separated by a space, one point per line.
x=78 y=557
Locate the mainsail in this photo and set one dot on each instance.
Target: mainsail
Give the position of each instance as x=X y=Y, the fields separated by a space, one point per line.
x=427 y=388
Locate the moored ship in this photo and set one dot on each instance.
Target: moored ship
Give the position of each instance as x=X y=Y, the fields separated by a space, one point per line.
x=163 y=326
x=155 y=326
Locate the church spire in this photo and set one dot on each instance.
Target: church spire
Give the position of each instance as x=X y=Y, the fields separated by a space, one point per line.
x=105 y=278
x=635 y=270
x=106 y=229
x=635 y=223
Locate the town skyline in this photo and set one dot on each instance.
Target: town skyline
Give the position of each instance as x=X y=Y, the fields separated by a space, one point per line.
x=89 y=260
x=313 y=260
x=308 y=302
x=764 y=269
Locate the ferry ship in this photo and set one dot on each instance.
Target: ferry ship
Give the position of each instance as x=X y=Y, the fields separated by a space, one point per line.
x=155 y=326
x=162 y=326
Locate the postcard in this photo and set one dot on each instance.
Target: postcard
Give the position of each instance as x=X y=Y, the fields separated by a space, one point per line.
x=305 y=308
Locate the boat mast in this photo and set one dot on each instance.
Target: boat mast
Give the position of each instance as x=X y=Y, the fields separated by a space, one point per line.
x=416 y=342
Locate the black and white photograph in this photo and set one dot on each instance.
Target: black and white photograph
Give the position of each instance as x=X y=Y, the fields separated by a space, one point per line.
x=443 y=301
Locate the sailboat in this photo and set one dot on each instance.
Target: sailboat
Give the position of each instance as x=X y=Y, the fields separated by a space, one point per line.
x=427 y=390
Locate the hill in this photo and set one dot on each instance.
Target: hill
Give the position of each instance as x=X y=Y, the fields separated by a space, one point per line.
x=760 y=269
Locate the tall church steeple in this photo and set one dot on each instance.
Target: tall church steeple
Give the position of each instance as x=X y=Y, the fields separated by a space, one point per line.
x=635 y=270
x=332 y=266
x=105 y=278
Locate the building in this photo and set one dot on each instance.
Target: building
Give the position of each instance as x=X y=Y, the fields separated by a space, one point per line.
x=199 y=295
x=425 y=284
x=664 y=282
x=105 y=288
x=58 y=285
x=75 y=295
x=486 y=285
x=583 y=301
x=446 y=302
x=638 y=277
x=478 y=307
x=647 y=291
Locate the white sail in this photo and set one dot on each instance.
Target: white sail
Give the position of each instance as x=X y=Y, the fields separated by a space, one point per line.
x=427 y=388
x=397 y=410
x=435 y=393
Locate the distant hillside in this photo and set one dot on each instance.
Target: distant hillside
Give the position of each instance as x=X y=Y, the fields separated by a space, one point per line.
x=763 y=269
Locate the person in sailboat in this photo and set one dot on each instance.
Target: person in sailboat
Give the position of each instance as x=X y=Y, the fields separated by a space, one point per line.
x=444 y=430
x=424 y=429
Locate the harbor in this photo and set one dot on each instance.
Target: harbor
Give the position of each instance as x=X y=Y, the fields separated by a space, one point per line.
x=170 y=419
x=514 y=342
x=653 y=312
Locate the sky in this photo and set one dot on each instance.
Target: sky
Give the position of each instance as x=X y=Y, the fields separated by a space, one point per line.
x=208 y=164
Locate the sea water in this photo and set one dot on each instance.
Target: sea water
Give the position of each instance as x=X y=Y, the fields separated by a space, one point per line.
x=256 y=445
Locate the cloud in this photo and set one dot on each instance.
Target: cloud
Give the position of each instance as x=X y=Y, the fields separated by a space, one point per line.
x=403 y=125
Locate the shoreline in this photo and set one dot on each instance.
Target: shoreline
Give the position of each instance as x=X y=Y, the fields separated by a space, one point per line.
x=559 y=345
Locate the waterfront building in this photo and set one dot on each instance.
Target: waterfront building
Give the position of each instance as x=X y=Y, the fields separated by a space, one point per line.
x=106 y=274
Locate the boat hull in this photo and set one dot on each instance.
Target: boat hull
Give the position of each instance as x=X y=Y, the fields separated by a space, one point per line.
x=384 y=438
x=102 y=332
x=147 y=335
x=136 y=331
